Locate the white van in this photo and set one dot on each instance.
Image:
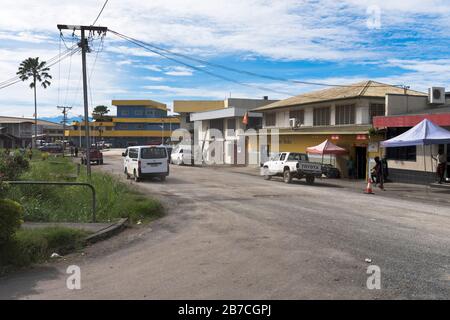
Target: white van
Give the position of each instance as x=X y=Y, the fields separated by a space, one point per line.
x=146 y=161
x=182 y=155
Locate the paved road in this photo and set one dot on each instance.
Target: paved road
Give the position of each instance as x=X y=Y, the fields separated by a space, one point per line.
x=234 y=236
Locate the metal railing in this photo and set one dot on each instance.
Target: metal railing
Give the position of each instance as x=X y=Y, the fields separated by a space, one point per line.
x=83 y=184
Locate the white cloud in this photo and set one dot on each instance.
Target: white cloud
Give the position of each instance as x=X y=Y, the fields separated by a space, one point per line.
x=178 y=71
x=155 y=79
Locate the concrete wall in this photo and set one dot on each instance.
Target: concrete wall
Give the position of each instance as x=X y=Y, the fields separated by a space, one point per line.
x=401 y=104
x=420 y=163
x=361 y=111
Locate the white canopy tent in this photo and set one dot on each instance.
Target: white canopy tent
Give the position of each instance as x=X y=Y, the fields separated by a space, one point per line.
x=424 y=133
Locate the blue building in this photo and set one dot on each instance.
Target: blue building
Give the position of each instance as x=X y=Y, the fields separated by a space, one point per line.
x=138 y=122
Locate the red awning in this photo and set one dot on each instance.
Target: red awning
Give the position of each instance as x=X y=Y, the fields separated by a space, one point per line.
x=441 y=119
x=326 y=147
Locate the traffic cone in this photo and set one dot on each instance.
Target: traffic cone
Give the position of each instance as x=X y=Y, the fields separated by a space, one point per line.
x=368 y=189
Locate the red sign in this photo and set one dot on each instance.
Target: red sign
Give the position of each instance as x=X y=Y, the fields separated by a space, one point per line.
x=361 y=137
x=441 y=119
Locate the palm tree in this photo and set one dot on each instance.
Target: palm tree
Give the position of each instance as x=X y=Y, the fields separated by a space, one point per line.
x=37 y=71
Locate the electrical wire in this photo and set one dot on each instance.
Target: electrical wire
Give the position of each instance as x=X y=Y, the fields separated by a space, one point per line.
x=202 y=69
x=254 y=74
x=100 y=13
x=51 y=62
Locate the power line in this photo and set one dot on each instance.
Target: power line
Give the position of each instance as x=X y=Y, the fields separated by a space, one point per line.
x=250 y=73
x=49 y=63
x=137 y=42
x=100 y=13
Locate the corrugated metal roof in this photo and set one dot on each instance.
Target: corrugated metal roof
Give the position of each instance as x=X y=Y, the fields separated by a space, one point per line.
x=4 y=119
x=361 y=89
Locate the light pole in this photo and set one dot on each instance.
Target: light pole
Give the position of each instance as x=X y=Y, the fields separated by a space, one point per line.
x=79 y=127
x=162 y=131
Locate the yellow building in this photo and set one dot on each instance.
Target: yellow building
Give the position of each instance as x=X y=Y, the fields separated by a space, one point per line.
x=138 y=122
x=342 y=114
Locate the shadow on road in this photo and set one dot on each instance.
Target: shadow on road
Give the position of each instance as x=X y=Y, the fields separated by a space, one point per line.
x=23 y=283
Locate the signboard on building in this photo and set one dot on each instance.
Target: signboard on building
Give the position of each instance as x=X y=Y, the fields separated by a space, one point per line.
x=373 y=146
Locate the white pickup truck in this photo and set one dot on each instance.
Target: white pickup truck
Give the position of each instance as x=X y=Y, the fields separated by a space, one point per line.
x=291 y=165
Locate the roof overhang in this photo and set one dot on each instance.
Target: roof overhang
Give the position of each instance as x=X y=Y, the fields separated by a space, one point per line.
x=140 y=103
x=441 y=119
x=223 y=113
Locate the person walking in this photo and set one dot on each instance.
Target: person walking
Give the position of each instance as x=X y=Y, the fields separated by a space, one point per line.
x=350 y=168
x=30 y=153
x=76 y=152
x=441 y=164
x=379 y=173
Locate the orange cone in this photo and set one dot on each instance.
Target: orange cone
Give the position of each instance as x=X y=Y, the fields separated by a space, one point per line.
x=368 y=189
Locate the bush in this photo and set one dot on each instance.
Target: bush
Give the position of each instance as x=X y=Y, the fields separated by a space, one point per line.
x=10 y=219
x=36 y=245
x=12 y=166
x=115 y=199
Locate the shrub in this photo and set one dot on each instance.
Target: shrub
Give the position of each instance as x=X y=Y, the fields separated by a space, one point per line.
x=12 y=166
x=10 y=219
x=36 y=245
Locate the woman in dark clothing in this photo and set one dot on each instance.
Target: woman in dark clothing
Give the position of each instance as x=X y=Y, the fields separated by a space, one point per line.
x=379 y=172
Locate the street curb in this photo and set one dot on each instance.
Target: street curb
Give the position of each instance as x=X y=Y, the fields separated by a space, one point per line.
x=107 y=232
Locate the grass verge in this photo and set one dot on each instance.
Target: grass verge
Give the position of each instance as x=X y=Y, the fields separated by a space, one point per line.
x=36 y=245
x=115 y=199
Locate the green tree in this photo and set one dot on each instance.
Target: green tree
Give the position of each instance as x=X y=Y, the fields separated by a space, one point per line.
x=100 y=111
x=37 y=71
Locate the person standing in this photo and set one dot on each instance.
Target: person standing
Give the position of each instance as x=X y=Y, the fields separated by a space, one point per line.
x=441 y=164
x=76 y=152
x=379 y=172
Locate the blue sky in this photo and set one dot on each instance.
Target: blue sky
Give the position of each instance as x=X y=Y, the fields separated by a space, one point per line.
x=327 y=41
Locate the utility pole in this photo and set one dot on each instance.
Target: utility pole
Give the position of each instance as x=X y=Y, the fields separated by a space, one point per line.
x=85 y=48
x=64 y=112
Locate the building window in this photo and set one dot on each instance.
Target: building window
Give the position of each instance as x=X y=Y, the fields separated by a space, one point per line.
x=124 y=112
x=322 y=116
x=231 y=125
x=270 y=119
x=345 y=114
x=188 y=118
x=376 y=109
x=139 y=113
x=149 y=112
x=216 y=124
x=400 y=153
x=298 y=115
x=140 y=126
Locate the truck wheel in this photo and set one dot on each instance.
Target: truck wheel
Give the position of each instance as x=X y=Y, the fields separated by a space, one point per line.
x=287 y=176
x=136 y=178
x=310 y=179
x=162 y=178
x=126 y=174
x=267 y=177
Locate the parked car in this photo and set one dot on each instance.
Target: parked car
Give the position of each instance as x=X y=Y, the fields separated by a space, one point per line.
x=182 y=155
x=146 y=161
x=95 y=155
x=51 y=148
x=291 y=165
